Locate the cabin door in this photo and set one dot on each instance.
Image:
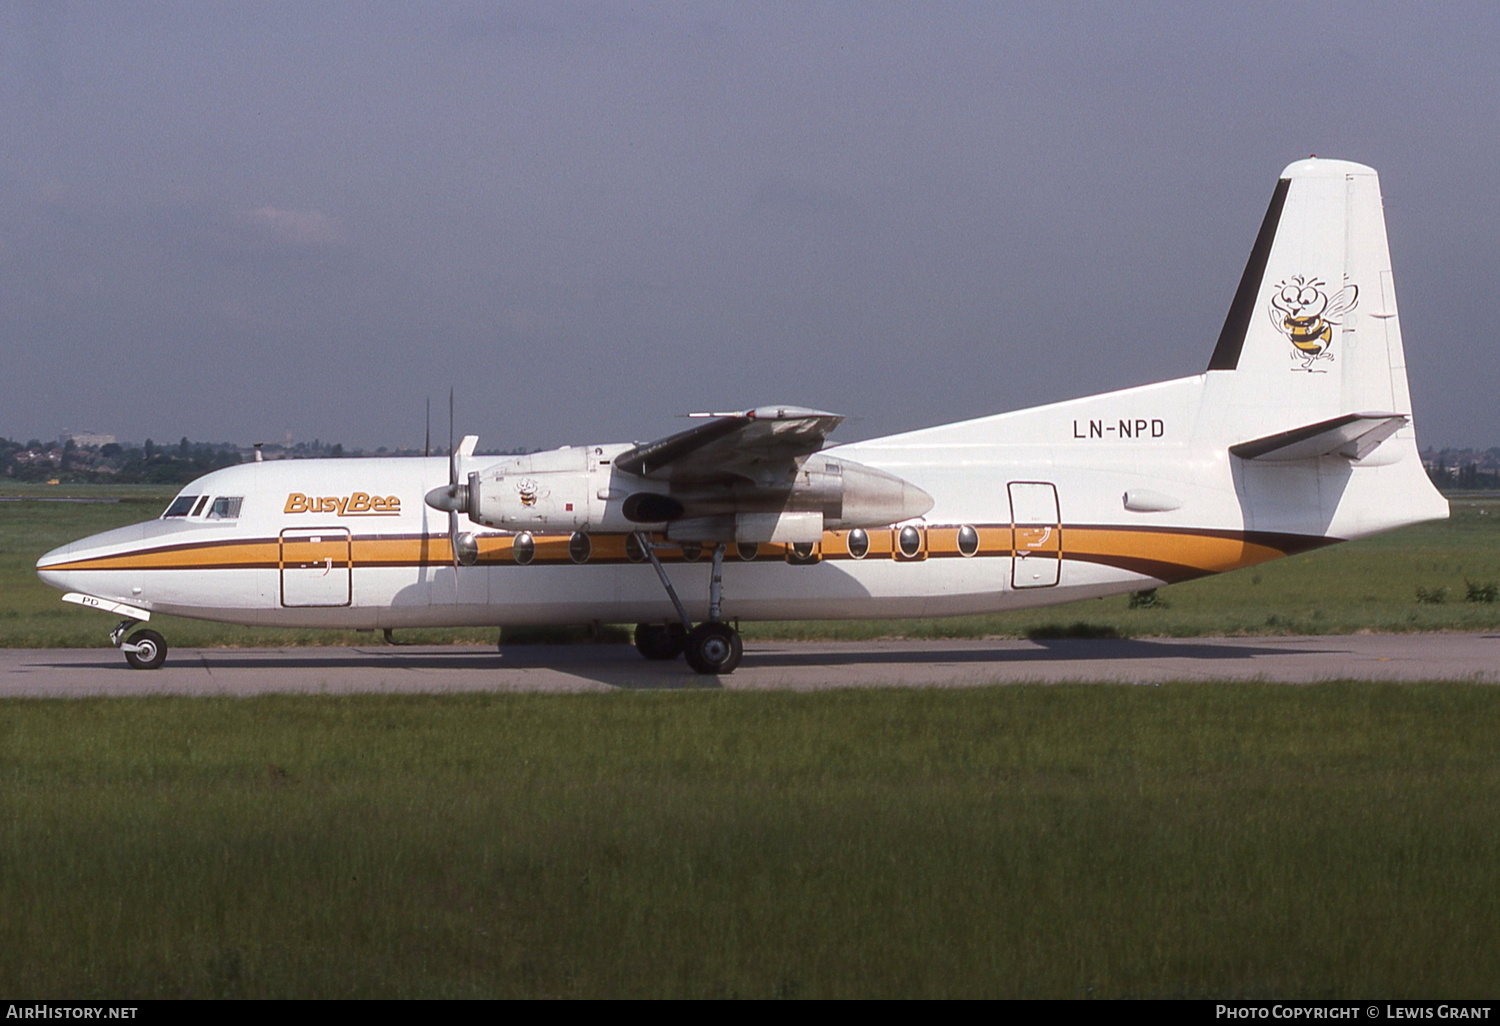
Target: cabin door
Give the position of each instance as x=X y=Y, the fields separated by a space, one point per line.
x=1036 y=535
x=315 y=566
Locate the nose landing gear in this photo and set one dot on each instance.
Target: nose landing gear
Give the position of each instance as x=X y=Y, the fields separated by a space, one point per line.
x=712 y=647
x=144 y=650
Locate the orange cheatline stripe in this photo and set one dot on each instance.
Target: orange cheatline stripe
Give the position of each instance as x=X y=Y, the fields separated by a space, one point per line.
x=184 y=557
x=1209 y=553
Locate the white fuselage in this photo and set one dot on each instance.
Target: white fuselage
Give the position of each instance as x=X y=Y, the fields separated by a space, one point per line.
x=1091 y=497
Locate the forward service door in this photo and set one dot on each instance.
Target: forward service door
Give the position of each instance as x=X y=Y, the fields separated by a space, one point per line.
x=315 y=566
x=1036 y=535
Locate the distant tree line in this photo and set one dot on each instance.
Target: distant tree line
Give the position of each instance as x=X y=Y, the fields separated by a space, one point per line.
x=149 y=463
x=1463 y=469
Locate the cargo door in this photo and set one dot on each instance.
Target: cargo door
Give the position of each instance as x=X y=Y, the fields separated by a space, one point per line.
x=1036 y=535
x=315 y=566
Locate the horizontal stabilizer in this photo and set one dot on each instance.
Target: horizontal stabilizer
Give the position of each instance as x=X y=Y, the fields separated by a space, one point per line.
x=1353 y=436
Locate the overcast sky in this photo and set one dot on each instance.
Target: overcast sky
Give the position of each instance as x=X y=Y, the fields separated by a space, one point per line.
x=232 y=221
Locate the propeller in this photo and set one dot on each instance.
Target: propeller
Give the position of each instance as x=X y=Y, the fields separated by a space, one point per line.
x=453 y=489
x=453 y=497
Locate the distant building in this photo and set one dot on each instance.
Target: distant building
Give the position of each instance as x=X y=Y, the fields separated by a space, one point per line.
x=86 y=439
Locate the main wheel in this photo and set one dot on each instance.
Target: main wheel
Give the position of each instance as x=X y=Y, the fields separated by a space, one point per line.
x=660 y=641
x=714 y=648
x=151 y=650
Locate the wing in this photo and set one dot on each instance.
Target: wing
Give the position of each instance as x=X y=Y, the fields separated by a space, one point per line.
x=732 y=445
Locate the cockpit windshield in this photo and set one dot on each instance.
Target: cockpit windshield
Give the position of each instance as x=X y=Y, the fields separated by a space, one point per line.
x=181 y=506
x=223 y=507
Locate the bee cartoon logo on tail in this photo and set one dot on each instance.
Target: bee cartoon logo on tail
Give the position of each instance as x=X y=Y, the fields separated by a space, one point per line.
x=1302 y=310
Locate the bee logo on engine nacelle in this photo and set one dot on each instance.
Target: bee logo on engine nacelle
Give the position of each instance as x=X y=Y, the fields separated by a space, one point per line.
x=530 y=492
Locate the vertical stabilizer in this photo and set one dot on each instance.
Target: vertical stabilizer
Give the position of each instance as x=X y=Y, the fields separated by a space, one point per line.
x=1312 y=332
x=1307 y=385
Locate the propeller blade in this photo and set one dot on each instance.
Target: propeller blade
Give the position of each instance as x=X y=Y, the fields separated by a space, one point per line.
x=452 y=487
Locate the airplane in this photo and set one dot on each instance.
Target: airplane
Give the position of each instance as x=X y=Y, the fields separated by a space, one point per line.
x=1298 y=434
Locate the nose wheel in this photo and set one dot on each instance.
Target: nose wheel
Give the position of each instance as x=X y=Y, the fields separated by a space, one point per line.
x=144 y=650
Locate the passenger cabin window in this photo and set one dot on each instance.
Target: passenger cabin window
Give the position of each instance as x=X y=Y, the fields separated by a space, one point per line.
x=968 y=540
x=910 y=542
x=225 y=507
x=181 y=506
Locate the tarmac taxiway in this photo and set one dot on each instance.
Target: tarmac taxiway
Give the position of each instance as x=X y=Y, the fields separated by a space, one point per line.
x=767 y=665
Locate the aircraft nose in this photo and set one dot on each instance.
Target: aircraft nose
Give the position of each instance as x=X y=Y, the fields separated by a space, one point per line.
x=65 y=568
x=45 y=566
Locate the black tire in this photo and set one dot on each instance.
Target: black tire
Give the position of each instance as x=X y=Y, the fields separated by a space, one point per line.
x=153 y=650
x=714 y=648
x=658 y=641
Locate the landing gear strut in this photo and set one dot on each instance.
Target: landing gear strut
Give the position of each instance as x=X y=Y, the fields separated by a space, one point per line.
x=712 y=647
x=145 y=650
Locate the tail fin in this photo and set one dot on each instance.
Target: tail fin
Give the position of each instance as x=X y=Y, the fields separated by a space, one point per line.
x=1313 y=329
x=1310 y=363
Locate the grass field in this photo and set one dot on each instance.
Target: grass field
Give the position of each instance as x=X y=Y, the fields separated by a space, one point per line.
x=1184 y=841
x=1333 y=840
x=1367 y=585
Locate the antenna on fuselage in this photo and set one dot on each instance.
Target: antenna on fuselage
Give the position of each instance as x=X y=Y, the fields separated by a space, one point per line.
x=427 y=441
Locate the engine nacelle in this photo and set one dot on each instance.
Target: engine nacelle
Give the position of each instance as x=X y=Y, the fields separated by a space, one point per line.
x=577 y=489
x=783 y=505
x=537 y=491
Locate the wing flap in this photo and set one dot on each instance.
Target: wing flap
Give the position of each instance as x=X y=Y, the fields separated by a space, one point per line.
x=1353 y=436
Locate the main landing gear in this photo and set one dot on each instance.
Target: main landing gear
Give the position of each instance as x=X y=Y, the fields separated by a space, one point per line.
x=712 y=647
x=144 y=650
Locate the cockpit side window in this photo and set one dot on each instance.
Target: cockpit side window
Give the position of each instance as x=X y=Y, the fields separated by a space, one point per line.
x=181 y=506
x=199 y=508
x=225 y=507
